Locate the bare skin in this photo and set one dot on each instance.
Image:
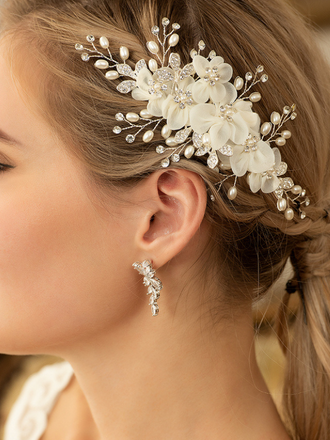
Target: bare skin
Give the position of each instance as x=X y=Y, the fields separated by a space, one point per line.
x=68 y=288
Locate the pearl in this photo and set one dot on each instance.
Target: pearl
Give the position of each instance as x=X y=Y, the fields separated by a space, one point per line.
x=303 y=193
x=265 y=128
x=296 y=189
x=238 y=83
x=173 y=40
x=189 y=151
x=288 y=214
x=104 y=42
x=145 y=114
x=152 y=47
x=255 y=97
x=112 y=74
x=232 y=193
x=281 y=204
x=286 y=134
x=153 y=66
x=280 y=141
x=171 y=142
x=206 y=139
x=101 y=64
x=166 y=132
x=275 y=118
x=124 y=53
x=148 y=136
x=132 y=117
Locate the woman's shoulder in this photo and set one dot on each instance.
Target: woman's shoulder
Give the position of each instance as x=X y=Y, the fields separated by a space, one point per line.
x=29 y=414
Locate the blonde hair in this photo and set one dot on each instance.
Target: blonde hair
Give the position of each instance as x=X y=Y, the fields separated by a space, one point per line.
x=254 y=237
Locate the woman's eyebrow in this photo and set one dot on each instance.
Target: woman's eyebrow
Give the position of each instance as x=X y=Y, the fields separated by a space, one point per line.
x=4 y=137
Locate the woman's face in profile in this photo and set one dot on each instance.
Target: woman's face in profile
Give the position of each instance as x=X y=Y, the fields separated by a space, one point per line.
x=64 y=260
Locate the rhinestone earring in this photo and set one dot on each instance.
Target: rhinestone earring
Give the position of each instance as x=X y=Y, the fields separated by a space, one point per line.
x=151 y=281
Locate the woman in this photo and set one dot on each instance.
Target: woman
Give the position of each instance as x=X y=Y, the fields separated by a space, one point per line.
x=217 y=210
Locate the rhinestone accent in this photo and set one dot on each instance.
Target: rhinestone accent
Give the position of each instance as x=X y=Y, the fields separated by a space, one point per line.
x=165 y=21
x=165 y=162
x=85 y=56
x=119 y=117
x=248 y=76
x=79 y=46
x=155 y=30
x=201 y=45
x=212 y=54
x=264 y=78
x=90 y=38
x=160 y=149
x=176 y=26
x=130 y=138
x=175 y=157
x=116 y=129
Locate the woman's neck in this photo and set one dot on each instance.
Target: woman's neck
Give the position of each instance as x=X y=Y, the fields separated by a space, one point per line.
x=174 y=379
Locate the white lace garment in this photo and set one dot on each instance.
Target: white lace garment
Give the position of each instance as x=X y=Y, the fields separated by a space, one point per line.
x=28 y=417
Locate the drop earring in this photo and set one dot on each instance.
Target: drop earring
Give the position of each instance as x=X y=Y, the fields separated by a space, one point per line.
x=151 y=281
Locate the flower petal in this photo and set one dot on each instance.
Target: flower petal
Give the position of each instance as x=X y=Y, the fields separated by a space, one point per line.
x=200 y=92
x=140 y=95
x=269 y=184
x=239 y=161
x=177 y=117
x=255 y=180
x=200 y=64
x=240 y=129
x=216 y=62
x=217 y=92
x=154 y=106
x=231 y=94
x=220 y=134
x=144 y=76
x=225 y=71
x=277 y=154
x=202 y=116
x=262 y=159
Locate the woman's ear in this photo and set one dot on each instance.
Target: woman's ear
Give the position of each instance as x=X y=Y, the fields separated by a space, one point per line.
x=177 y=206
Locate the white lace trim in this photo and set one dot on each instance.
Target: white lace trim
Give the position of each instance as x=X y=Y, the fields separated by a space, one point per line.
x=28 y=417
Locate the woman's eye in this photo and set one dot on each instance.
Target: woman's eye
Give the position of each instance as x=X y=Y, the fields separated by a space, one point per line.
x=3 y=167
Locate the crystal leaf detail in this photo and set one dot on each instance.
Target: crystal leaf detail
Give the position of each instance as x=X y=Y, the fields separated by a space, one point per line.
x=126 y=86
x=182 y=135
x=202 y=151
x=212 y=160
x=279 y=192
x=125 y=69
x=197 y=140
x=281 y=169
x=226 y=150
x=175 y=61
x=188 y=70
x=165 y=75
x=140 y=65
x=287 y=183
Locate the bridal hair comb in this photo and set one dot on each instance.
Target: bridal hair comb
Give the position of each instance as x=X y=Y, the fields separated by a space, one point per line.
x=199 y=112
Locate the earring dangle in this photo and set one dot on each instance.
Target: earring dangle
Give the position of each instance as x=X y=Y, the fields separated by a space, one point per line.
x=151 y=281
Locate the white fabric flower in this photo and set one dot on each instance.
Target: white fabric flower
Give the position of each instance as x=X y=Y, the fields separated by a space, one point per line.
x=213 y=83
x=149 y=88
x=254 y=155
x=268 y=181
x=177 y=107
x=229 y=122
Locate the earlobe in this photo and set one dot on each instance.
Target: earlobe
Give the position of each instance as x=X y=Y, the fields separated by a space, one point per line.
x=179 y=201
